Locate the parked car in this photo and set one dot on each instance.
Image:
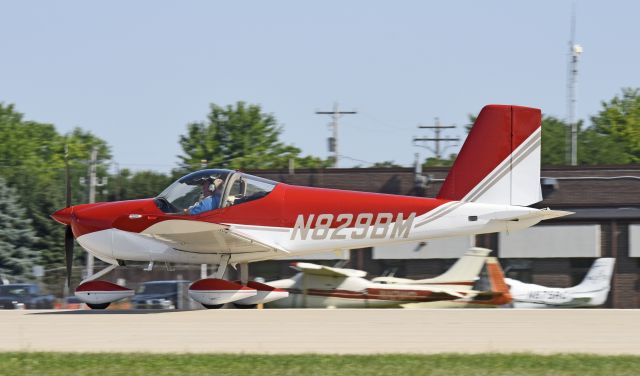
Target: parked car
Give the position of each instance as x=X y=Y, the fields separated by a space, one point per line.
x=24 y=295
x=163 y=295
x=73 y=302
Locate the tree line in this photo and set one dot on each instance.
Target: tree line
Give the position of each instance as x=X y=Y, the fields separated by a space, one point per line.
x=238 y=136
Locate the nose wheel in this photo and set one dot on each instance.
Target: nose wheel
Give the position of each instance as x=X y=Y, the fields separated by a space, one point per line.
x=212 y=306
x=98 y=306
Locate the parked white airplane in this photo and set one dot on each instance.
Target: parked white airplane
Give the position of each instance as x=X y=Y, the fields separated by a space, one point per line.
x=496 y=295
x=591 y=292
x=318 y=286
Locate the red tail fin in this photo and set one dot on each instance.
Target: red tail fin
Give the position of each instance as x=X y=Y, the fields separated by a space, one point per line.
x=499 y=162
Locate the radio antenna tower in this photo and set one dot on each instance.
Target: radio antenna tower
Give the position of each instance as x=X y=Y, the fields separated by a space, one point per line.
x=572 y=79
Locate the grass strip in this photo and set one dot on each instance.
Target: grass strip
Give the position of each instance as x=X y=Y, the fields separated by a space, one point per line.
x=106 y=364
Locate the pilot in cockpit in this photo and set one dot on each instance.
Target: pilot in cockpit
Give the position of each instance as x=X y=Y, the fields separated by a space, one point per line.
x=210 y=197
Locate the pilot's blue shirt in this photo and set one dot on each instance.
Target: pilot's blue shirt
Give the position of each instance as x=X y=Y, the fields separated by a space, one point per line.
x=209 y=203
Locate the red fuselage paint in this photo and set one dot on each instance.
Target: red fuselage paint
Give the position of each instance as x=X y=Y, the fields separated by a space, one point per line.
x=280 y=208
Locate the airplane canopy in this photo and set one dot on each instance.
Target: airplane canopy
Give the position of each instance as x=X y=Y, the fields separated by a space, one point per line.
x=225 y=187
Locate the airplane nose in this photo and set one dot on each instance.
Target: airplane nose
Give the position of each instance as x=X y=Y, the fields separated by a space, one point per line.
x=63 y=215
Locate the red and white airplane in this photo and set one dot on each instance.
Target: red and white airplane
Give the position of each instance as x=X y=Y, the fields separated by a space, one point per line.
x=494 y=178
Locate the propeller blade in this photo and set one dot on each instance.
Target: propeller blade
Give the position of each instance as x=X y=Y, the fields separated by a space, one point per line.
x=68 y=252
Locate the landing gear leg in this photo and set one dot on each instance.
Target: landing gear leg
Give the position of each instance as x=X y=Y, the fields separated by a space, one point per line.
x=99 y=274
x=244 y=273
x=222 y=267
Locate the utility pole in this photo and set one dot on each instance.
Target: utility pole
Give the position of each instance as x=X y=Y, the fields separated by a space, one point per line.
x=437 y=129
x=91 y=184
x=572 y=78
x=92 y=197
x=333 y=140
x=203 y=267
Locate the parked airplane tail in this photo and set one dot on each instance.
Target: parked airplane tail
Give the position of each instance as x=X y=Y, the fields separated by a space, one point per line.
x=499 y=287
x=464 y=271
x=499 y=162
x=598 y=278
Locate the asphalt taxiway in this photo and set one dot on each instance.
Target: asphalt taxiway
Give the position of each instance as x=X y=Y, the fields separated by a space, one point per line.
x=364 y=331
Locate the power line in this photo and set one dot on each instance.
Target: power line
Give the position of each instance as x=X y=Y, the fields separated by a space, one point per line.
x=437 y=129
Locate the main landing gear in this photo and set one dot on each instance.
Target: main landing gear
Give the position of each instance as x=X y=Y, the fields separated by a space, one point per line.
x=214 y=292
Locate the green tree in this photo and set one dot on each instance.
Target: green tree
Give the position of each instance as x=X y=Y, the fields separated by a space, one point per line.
x=386 y=164
x=554 y=144
x=440 y=162
x=17 y=237
x=32 y=158
x=127 y=185
x=619 y=123
x=239 y=137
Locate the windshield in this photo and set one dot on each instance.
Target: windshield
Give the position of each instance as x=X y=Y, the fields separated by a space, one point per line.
x=192 y=189
x=244 y=188
x=17 y=290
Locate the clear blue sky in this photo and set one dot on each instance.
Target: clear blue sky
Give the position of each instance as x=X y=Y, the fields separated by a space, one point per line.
x=136 y=72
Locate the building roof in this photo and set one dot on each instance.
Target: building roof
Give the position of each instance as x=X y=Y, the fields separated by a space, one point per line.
x=565 y=187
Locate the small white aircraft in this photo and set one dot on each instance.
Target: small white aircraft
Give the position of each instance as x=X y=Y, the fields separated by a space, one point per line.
x=591 y=292
x=318 y=286
x=497 y=294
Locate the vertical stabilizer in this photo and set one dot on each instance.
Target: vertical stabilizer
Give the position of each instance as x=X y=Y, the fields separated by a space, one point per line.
x=499 y=162
x=498 y=284
x=464 y=271
x=496 y=276
x=598 y=277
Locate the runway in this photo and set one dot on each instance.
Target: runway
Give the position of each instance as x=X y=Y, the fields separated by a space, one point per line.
x=365 y=331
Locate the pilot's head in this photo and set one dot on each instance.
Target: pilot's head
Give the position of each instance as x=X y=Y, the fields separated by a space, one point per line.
x=209 y=186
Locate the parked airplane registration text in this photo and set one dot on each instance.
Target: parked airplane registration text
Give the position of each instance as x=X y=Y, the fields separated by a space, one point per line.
x=364 y=225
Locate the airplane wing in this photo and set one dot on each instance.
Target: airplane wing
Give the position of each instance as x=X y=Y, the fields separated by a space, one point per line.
x=452 y=292
x=410 y=290
x=204 y=237
x=315 y=269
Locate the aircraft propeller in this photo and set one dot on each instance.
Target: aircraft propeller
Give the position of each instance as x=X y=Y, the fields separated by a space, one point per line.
x=68 y=232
